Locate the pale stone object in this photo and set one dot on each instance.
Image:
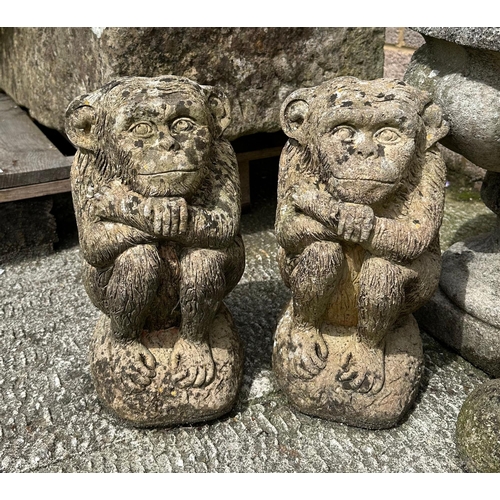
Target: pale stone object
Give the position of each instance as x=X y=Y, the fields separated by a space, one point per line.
x=157 y=201
x=360 y=204
x=460 y=68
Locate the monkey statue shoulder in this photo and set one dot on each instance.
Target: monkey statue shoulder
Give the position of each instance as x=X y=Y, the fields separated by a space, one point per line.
x=157 y=201
x=360 y=204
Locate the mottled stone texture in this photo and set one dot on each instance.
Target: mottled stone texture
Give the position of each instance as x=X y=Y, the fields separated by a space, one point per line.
x=360 y=203
x=466 y=83
x=478 y=429
x=44 y=68
x=157 y=202
x=460 y=68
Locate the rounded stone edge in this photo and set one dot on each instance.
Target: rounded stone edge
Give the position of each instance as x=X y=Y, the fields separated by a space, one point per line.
x=478 y=38
x=462 y=332
x=477 y=433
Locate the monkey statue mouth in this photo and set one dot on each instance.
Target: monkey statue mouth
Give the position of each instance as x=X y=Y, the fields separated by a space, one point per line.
x=368 y=181
x=363 y=191
x=173 y=171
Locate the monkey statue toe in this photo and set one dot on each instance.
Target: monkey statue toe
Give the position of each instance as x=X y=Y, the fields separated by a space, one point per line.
x=360 y=204
x=157 y=202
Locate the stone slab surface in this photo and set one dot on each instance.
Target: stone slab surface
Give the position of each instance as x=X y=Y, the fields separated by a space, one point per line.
x=44 y=69
x=478 y=38
x=51 y=420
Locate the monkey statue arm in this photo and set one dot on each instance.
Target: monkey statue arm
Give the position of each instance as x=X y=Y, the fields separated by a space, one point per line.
x=406 y=238
x=305 y=215
x=326 y=218
x=102 y=241
x=116 y=202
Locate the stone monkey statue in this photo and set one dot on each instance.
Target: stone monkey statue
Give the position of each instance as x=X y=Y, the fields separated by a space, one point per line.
x=360 y=204
x=157 y=201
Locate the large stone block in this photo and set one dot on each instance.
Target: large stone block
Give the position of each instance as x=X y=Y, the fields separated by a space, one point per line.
x=43 y=69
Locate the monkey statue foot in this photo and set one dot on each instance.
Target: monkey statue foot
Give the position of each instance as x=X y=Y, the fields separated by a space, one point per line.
x=192 y=363
x=137 y=381
x=362 y=367
x=308 y=352
x=134 y=363
x=359 y=386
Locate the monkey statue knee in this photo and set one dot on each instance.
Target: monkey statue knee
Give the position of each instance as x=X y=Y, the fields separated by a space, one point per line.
x=157 y=202
x=360 y=204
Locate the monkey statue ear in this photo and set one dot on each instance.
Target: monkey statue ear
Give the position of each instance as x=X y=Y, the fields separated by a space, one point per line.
x=293 y=113
x=220 y=107
x=436 y=126
x=80 y=119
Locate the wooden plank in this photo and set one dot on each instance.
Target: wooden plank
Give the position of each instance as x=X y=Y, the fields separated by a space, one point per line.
x=259 y=154
x=26 y=155
x=34 y=190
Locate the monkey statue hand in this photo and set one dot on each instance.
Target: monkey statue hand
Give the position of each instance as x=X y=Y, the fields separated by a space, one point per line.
x=168 y=216
x=355 y=222
x=362 y=367
x=192 y=363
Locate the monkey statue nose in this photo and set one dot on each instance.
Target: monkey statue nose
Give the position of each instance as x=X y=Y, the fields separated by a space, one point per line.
x=366 y=149
x=169 y=143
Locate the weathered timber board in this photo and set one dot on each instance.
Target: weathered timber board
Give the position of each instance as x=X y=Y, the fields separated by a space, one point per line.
x=34 y=190
x=26 y=155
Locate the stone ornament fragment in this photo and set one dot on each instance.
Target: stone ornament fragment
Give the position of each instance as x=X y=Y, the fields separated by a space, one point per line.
x=360 y=204
x=478 y=429
x=157 y=201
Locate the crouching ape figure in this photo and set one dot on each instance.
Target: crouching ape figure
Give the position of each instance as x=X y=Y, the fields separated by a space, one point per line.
x=360 y=203
x=157 y=201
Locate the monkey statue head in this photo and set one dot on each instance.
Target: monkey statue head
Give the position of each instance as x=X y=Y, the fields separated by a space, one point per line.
x=364 y=136
x=156 y=135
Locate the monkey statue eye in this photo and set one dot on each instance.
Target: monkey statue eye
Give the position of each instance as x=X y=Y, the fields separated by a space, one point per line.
x=181 y=125
x=142 y=129
x=343 y=133
x=387 y=136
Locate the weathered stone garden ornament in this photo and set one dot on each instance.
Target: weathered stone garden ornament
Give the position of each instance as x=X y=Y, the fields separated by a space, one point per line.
x=460 y=68
x=360 y=203
x=157 y=201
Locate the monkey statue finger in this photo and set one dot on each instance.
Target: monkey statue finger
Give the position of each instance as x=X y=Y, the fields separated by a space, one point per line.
x=355 y=222
x=192 y=363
